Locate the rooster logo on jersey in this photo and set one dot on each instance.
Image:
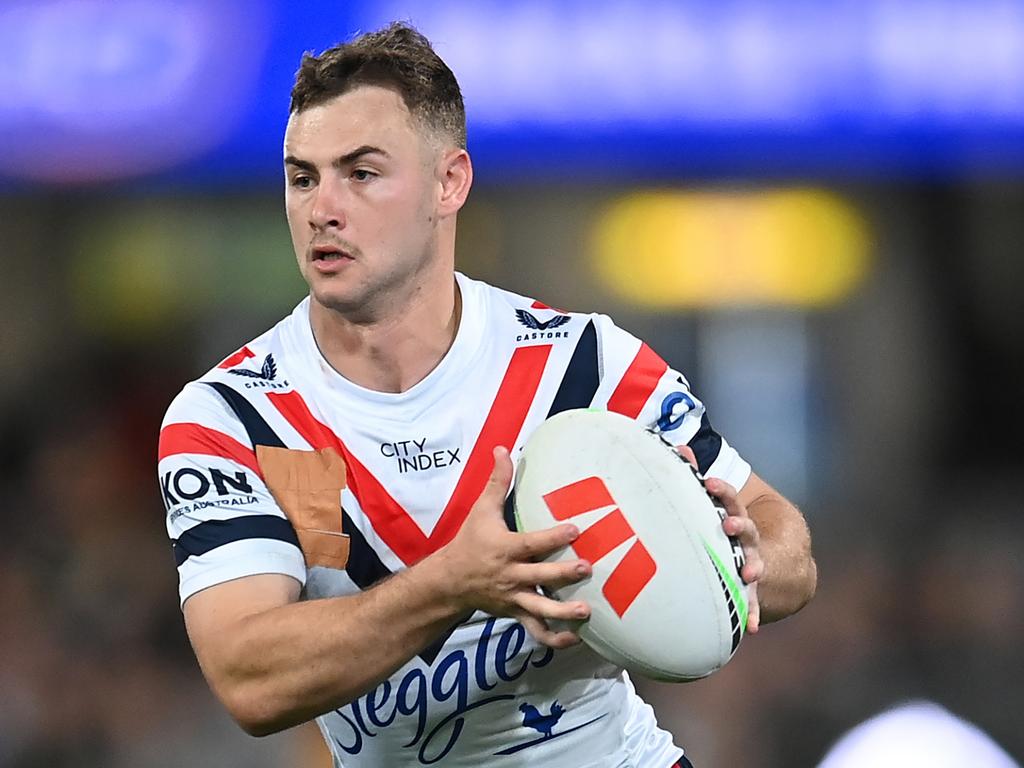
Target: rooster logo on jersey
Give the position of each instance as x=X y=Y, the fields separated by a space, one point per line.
x=543 y=724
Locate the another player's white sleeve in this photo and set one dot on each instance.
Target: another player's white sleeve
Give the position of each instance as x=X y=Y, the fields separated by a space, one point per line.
x=636 y=382
x=223 y=522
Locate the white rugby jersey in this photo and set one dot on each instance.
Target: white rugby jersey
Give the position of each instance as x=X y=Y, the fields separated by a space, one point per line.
x=255 y=455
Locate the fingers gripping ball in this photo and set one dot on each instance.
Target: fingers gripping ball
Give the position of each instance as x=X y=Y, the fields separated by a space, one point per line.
x=666 y=596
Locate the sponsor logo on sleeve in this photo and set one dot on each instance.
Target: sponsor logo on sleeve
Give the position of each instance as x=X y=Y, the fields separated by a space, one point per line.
x=674 y=408
x=190 y=489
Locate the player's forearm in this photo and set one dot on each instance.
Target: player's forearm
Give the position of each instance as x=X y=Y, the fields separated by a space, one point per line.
x=292 y=663
x=791 y=575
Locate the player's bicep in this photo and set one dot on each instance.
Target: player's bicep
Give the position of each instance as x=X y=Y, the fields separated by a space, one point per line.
x=212 y=613
x=215 y=620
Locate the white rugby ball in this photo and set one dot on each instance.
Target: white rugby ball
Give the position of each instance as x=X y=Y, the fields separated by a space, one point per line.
x=666 y=596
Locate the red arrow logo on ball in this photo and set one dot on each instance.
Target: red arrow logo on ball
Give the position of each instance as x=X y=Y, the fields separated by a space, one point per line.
x=636 y=569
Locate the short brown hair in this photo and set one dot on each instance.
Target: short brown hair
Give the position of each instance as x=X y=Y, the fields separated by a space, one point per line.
x=397 y=57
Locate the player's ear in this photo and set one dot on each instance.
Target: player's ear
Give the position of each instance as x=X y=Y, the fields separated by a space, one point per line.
x=455 y=174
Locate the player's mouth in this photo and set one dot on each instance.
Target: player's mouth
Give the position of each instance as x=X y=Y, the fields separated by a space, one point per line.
x=330 y=258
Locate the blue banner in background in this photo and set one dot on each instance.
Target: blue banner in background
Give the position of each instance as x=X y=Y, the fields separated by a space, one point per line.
x=191 y=91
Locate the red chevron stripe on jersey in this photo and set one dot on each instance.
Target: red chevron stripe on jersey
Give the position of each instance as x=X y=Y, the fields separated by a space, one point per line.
x=391 y=522
x=502 y=427
x=638 y=383
x=195 y=438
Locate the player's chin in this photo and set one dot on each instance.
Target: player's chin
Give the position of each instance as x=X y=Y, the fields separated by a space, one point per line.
x=335 y=292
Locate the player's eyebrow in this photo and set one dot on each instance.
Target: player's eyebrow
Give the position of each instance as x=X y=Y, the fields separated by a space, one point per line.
x=355 y=154
x=338 y=162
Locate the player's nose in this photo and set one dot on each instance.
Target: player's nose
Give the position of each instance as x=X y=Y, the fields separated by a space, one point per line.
x=328 y=210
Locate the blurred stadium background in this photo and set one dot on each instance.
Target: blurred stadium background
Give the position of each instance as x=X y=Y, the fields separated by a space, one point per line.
x=816 y=209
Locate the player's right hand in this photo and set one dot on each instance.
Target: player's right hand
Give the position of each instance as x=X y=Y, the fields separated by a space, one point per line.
x=493 y=569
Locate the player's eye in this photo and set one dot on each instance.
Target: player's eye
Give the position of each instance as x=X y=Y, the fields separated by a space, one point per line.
x=362 y=174
x=302 y=181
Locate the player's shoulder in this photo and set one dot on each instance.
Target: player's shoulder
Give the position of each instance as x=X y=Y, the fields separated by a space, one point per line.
x=537 y=321
x=529 y=311
x=261 y=363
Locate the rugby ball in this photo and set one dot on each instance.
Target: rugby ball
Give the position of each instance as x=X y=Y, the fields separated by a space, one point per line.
x=666 y=597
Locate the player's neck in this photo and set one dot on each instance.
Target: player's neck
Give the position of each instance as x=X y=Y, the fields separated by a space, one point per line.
x=397 y=350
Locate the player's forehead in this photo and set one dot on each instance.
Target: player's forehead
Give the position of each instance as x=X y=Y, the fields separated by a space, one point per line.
x=367 y=115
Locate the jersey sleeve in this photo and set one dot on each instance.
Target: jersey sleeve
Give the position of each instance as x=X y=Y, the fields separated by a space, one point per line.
x=221 y=518
x=636 y=382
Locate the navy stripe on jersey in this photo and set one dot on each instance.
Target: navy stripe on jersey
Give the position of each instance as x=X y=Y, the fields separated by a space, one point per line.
x=581 y=376
x=364 y=566
x=216 y=533
x=706 y=445
x=256 y=427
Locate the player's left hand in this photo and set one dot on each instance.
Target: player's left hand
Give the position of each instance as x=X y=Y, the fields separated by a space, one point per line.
x=739 y=525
